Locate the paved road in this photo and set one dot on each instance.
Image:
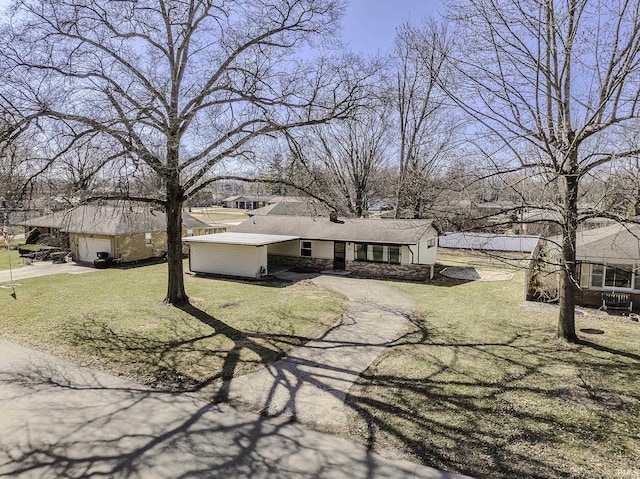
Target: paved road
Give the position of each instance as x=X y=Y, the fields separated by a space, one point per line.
x=58 y=420
x=311 y=383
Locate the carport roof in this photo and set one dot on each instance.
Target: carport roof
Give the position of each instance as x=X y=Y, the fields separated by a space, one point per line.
x=244 y=239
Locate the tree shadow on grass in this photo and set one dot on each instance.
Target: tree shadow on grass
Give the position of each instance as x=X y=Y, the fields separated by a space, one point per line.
x=512 y=419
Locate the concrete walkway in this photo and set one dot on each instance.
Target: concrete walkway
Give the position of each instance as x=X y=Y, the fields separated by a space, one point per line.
x=312 y=382
x=60 y=420
x=44 y=268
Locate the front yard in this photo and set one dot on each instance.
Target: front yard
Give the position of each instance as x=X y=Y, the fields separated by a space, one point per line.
x=115 y=320
x=476 y=384
x=479 y=384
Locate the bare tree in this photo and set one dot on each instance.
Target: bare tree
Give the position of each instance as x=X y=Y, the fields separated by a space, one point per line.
x=426 y=123
x=556 y=84
x=184 y=89
x=345 y=159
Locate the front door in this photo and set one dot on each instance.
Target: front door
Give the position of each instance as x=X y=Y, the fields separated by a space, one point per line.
x=339 y=249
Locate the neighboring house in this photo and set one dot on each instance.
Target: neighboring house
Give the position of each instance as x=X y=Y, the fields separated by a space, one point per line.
x=253 y=202
x=490 y=242
x=126 y=233
x=297 y=208
x=380 y=206
x=403 y=249
x=608 y=261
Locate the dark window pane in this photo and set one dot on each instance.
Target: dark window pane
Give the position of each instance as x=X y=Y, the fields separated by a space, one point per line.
x=376 y=253
x=394 y=254
x=361 y=252
x=618 y=276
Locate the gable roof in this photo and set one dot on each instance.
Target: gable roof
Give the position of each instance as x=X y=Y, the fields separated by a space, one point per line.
x=348 y=229
x=612 y=243
x=264 y=198
x=489 y=242
x=110 y=220
x=291 y=209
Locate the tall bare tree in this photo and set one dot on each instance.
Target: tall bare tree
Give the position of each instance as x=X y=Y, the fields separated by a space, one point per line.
x=556 y=84
x=346 y=158
x=425 y=122
x=181 y=87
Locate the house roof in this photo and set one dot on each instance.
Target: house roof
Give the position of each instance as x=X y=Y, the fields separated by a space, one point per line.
x=489 y=242
x=250 y=198
x=612 y=243
x=291 y=209
x=110 y=220
x=348 y=229
x=245 y=239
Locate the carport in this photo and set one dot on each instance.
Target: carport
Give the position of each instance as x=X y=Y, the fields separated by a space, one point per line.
x=232 y=254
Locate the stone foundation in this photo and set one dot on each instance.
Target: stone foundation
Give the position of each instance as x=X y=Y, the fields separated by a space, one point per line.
x=357 y=269
x=408 y=272
x=301 y=263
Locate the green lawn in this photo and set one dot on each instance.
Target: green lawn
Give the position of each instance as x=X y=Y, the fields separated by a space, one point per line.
x=116 y=320
x=12 y=255
x=479 y=384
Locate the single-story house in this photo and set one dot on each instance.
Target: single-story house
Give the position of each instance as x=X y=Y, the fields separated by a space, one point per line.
x=126 y=233
x=402 y=249
x=608 y=262
x=253 y=202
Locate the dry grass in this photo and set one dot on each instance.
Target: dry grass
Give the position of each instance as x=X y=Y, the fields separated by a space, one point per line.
x=116 y=320
x=480 y=385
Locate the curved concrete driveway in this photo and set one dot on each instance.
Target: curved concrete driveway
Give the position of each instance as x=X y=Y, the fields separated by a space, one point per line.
x=59 y=420
x=312 y=382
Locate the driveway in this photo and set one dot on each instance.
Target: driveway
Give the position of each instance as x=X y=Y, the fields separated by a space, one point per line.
x=311 y=383
x=44 y=268
x=64 y=421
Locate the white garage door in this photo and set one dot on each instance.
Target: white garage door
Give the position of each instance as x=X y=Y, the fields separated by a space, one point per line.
x=89 y=247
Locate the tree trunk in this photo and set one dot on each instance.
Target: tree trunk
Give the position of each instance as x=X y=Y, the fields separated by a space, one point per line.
x=566 y=320
x=176 y=294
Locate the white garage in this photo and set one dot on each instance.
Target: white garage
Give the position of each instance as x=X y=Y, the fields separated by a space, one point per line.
x=232 y=254
x=88 y=248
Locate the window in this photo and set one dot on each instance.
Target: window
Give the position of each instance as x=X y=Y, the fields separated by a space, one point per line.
x=378 y=253
x=189 y=232
x=614 y=276
x=305 y=248
x=148 y=240
x=431 y=243
x=597 y=273
x=618 y=276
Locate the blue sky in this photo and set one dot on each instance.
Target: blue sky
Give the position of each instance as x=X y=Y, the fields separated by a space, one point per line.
x=370 y=25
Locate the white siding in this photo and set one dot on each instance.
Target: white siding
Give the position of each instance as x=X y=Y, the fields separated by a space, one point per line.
x=232 y=260
x=427 y=255
x=405 y=254
x=288 y=248
x=350 y=254
x=319 y=249
x=322 y=249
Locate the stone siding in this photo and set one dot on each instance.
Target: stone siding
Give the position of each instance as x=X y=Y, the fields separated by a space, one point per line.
x=302 y=263
x=410 y=272
x=358 y=269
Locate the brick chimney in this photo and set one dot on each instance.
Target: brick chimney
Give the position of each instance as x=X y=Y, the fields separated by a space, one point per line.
x=333 y=217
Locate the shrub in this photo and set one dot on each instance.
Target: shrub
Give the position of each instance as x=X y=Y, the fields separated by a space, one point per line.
x=102 y=263
x=25 y=249
x=32 y=236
